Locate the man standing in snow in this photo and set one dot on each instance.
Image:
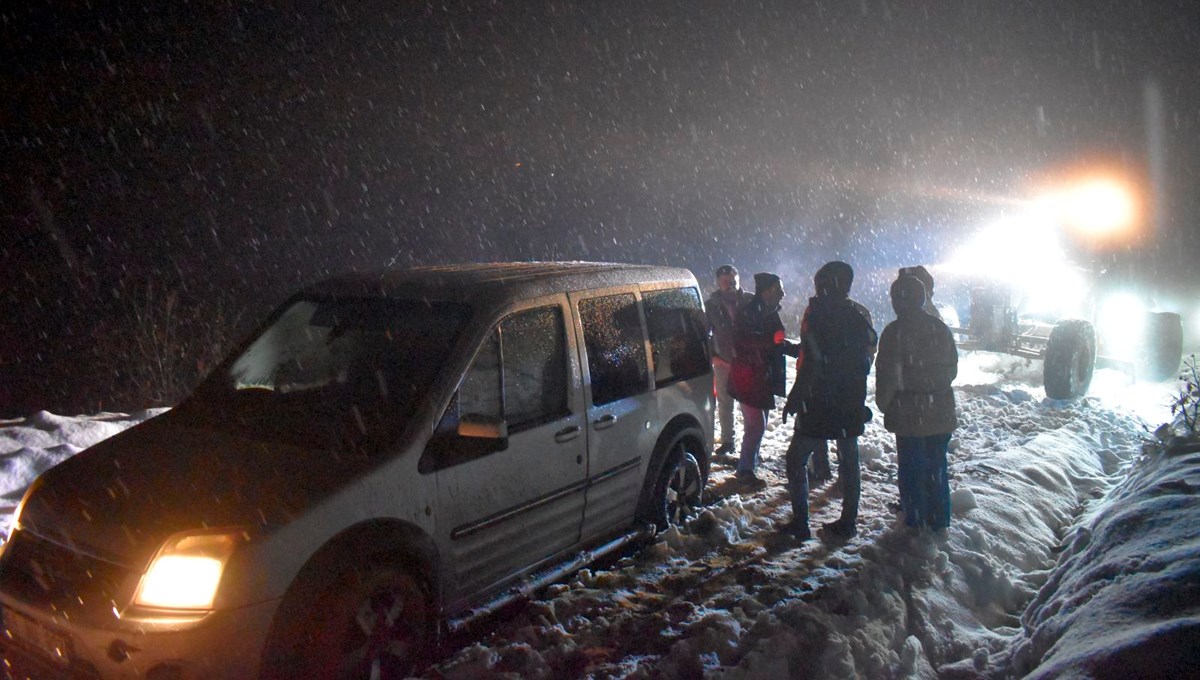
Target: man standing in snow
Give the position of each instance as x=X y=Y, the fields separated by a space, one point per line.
x=918 y=361
x=758 y=372
x=818 y=463
x=721 y=309
x=829 y=397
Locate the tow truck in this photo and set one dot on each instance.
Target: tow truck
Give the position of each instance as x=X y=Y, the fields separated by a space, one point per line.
x=1027 y=296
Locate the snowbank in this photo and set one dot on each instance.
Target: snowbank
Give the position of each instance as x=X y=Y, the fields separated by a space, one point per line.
x=1124 y=600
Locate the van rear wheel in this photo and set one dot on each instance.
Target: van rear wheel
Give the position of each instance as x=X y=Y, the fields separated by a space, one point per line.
x=679 y=490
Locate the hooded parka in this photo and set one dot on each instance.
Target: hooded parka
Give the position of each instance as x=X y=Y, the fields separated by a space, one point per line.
x=917 y=362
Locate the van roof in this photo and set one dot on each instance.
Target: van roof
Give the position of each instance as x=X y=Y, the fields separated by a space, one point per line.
x=513 y=280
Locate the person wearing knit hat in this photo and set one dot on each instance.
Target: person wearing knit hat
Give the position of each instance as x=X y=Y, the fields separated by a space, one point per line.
x=837 y=345
x=721 y=310
x=757 y=375
x=917 y=363
x=766 y=280
x=922 y=274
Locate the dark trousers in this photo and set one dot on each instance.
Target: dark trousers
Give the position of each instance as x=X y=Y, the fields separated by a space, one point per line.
x=924 y=482
x=754 y=424
x=798 y=453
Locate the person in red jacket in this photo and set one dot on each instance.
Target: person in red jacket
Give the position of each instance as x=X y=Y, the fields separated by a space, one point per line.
x=758 y=372
x=918 y=361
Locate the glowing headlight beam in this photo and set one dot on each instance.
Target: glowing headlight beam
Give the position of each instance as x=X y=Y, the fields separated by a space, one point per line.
x=178 y=582
x=1100 y=209
x=1120 y=320
x=186 y=572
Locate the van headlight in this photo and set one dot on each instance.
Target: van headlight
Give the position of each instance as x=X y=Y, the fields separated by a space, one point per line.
x=187 y=570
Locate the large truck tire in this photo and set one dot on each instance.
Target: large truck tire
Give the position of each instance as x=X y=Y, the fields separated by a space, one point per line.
x=1070 y=359
x=1163 y=347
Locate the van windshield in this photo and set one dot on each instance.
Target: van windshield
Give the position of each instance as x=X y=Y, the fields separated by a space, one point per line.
x=334 y=372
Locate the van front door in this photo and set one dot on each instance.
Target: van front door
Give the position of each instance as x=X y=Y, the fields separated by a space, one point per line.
x=511 y=480
x=620 y=411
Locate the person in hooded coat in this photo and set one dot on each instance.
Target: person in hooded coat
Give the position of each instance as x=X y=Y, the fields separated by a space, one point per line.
x=922 y=274
x=758 y=375
x=829 y=397
x=917 y=362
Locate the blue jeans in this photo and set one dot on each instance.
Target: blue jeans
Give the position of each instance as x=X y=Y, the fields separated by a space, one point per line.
x=798 y=453
x=924 y=481
x=754 y=421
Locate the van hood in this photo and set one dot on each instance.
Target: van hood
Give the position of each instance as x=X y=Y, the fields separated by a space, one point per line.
x=120 y=499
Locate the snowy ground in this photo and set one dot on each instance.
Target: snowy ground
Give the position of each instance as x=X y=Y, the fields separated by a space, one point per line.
x=1035 y=483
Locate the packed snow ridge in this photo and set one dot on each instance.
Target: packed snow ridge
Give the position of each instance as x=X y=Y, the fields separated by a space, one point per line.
x=1073 y=550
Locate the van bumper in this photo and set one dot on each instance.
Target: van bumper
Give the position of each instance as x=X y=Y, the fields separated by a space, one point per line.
x=221 y=644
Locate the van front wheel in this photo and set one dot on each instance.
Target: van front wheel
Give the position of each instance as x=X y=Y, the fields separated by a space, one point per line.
x=373 y=621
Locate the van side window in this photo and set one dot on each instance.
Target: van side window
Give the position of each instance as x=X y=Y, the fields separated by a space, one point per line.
x=678 y=334
x=519 y=375
x=612 y=335
x=534 y=346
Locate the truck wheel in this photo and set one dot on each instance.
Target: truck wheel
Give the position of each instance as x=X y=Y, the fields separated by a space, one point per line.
x=1070 y=359
x=679 y=489
x=1163 y=348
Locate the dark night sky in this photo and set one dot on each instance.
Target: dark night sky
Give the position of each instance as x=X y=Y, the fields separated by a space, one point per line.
x=232 y=152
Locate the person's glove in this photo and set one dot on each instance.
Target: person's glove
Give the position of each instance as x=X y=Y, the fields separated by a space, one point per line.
x=790 y=407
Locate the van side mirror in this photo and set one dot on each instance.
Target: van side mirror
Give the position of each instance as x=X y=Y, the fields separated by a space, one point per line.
x=477 y=426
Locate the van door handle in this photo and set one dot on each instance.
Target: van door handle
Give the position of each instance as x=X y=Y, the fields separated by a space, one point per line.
x=604 y=421
x=566 y=434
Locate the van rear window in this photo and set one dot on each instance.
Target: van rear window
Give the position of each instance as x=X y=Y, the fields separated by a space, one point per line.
x=678 y=334
x=616 y=349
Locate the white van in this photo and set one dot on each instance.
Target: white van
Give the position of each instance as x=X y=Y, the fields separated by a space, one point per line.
x=390 y=456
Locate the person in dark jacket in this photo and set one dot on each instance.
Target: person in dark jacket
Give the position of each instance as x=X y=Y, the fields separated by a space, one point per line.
x=758 y=372
x=829 y=397
x=918 y=361
x=721 y=309
x=818 y=463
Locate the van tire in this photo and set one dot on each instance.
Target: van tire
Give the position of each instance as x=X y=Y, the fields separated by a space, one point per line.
x=1163 y=348
x=679 y=489
x=371 y=613
x=1070 y=359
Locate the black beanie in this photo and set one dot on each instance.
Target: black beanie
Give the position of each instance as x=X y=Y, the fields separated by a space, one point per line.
x=765 y=280
x=908 y=294
x=922 y=274
x=834 y=278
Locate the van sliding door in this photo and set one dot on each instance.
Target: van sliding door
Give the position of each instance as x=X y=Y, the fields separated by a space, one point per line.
x=620 y=411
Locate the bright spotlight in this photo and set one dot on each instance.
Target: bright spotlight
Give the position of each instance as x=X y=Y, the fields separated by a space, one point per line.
x=1097 y=209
